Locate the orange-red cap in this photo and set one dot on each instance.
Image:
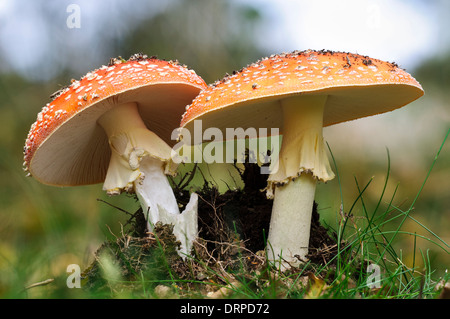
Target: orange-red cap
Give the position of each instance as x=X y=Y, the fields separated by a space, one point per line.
x=66 y=127
x=356 y=85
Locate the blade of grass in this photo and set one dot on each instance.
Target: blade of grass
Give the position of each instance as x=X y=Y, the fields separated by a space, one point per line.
x=407 y=213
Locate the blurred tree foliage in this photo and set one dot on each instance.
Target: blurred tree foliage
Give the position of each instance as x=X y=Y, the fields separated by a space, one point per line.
x=213 y=37
x=435 y=72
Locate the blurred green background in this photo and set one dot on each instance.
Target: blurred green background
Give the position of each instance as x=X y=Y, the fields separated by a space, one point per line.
x=43 y=229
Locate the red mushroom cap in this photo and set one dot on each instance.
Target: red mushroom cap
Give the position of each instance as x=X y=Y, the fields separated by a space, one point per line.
x=356 y=85
x=66 y=138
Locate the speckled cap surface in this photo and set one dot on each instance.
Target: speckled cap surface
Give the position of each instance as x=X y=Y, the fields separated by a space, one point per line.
x=357 y=86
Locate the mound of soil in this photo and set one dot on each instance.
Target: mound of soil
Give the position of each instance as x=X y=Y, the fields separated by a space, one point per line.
x=233 y=227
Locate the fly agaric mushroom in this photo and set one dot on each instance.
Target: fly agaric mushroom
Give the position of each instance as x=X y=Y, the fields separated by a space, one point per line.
x=137 y=103
x=300 y=93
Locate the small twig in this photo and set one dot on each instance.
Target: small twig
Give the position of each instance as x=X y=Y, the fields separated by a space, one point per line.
x=116 y=207
x=208 y=254
x=41 y=283
x=191 y=177
x=112 y=233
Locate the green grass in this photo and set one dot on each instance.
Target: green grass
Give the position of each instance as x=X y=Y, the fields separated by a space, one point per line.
x=370 y=238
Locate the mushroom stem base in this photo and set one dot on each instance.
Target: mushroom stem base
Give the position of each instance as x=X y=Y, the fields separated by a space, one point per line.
x=154 y=194
x=291 y=222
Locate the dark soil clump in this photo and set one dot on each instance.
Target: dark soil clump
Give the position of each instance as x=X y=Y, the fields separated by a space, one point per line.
x=237 y=213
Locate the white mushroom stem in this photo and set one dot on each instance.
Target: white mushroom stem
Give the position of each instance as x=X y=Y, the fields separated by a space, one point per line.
x=154 y=191
x=153 y=194
x=139 y=162
x=302 y=161
x=291 y=221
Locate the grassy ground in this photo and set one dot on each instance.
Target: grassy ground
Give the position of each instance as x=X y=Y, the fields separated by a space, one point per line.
x=356 y=258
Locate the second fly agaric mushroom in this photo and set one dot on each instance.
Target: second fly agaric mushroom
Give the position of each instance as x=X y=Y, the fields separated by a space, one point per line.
x=300 y=93
x=137 y=103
